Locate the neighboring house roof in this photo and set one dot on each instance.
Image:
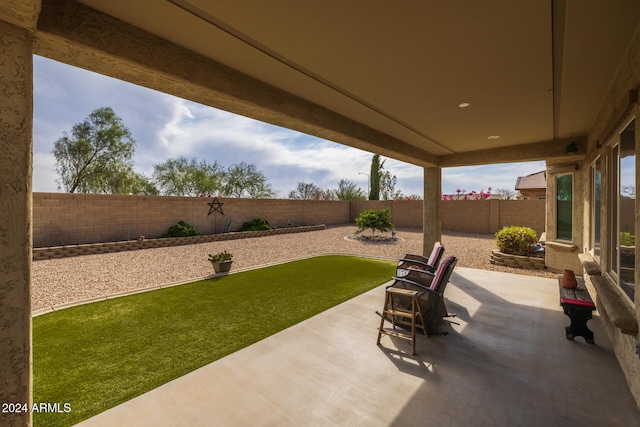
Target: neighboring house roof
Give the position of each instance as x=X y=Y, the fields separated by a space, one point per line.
x=535 y=181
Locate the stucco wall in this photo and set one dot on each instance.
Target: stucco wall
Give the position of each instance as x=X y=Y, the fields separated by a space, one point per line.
x=16 y=110
x=618 y=106
x=531 y=194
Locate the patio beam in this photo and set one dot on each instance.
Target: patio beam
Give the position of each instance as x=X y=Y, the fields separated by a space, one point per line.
x=555 y=150
x=80 y=36
x=21 y=13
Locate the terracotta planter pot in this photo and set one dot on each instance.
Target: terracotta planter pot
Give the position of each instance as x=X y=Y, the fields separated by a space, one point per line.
x=569 y=280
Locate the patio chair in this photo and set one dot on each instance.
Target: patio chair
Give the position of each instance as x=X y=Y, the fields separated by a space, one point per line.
x=421 y=262
x=432 y=287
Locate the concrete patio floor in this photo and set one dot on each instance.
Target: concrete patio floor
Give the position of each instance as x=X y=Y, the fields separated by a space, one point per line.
x=506 y=363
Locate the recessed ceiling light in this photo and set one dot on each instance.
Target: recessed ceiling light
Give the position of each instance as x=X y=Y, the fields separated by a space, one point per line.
x=493 y=137
x=463 y=105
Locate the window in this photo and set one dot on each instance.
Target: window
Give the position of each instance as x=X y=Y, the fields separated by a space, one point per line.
x=595 y=197
x=627 y=210
x=613 y=210
x=564 y=207
x=623 y=210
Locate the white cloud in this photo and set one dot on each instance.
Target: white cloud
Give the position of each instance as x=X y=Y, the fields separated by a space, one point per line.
x=46 y=174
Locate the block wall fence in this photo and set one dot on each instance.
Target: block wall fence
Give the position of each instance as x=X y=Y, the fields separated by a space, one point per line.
x=71 y=219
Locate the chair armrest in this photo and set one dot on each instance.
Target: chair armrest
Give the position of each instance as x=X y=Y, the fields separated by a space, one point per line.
x=413 y=260
x=426 y=266
x=411 y=282
x=419 y=270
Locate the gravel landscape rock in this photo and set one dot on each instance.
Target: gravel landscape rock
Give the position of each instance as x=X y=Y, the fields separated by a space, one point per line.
x=67 y=280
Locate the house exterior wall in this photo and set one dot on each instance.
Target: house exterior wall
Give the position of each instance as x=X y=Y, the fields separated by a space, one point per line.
x=563 y=254
x=619 y=313
x=533 y=194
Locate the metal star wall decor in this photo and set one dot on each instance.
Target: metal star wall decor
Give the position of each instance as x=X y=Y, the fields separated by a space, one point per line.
x=215 y=206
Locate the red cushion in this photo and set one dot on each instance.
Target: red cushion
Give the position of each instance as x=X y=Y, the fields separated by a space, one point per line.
x=436 y=254
x=440 y=272
x=577 y=302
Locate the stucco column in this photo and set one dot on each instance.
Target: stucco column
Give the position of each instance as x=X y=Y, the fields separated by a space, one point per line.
x=636 y=273
x=16 y=119
x=431 y=222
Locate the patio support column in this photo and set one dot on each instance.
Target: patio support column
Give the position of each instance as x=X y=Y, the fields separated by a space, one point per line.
x=431 y=222
x=16 y=119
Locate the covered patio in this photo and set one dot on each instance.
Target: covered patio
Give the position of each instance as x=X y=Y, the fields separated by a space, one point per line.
x=507 y=362
x=436 y=84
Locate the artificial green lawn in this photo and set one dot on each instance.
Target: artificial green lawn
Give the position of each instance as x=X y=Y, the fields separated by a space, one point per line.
x=99 y=355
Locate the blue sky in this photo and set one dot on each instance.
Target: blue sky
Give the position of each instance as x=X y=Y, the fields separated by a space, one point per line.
x=165 y=126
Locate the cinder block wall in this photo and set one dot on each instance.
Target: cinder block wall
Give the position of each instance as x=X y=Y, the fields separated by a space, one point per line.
x=404 y=213
x=489 y=216
x=525 y=213
x=65 y=219
x=466 y=216
x=69 y=219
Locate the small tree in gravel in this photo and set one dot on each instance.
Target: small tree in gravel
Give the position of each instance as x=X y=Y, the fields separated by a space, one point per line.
x=375 y=220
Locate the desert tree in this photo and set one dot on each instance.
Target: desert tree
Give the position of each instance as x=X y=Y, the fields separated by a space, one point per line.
x=95 y=149
x=310 y=191
x=126 y=181
x=349 y=190
x=387 y=185
x=374 y=177
x=245 y=180
x=506 y=193
x=188 y=177
x=382 y=183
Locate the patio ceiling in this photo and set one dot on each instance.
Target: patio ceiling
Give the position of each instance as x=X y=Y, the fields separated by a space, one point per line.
x=532 y=71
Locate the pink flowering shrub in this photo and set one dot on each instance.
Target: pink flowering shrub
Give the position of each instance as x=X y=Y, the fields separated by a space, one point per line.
x=472 y=195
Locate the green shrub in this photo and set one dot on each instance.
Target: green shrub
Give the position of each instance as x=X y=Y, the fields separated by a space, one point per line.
x=181 y=229
x=627 y=239
x=375 y=220
x=221 y=257
x=515 y=240
x=256 y=224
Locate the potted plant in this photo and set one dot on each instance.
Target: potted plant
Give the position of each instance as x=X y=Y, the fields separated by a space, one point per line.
x=221 y=261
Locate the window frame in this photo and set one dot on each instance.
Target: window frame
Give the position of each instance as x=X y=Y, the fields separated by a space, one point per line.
x=613 y=206
x=558 y=238
x=595 y=210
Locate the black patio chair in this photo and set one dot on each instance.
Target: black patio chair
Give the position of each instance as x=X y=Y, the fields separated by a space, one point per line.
x=431 y=287
x=421 y=262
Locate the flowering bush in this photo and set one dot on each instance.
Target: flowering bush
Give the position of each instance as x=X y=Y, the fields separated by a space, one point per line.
x=472 y=195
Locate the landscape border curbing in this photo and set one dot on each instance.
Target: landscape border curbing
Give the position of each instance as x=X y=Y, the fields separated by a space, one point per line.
x=52 y=252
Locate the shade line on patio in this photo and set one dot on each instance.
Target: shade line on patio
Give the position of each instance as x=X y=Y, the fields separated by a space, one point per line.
x=506 y=363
